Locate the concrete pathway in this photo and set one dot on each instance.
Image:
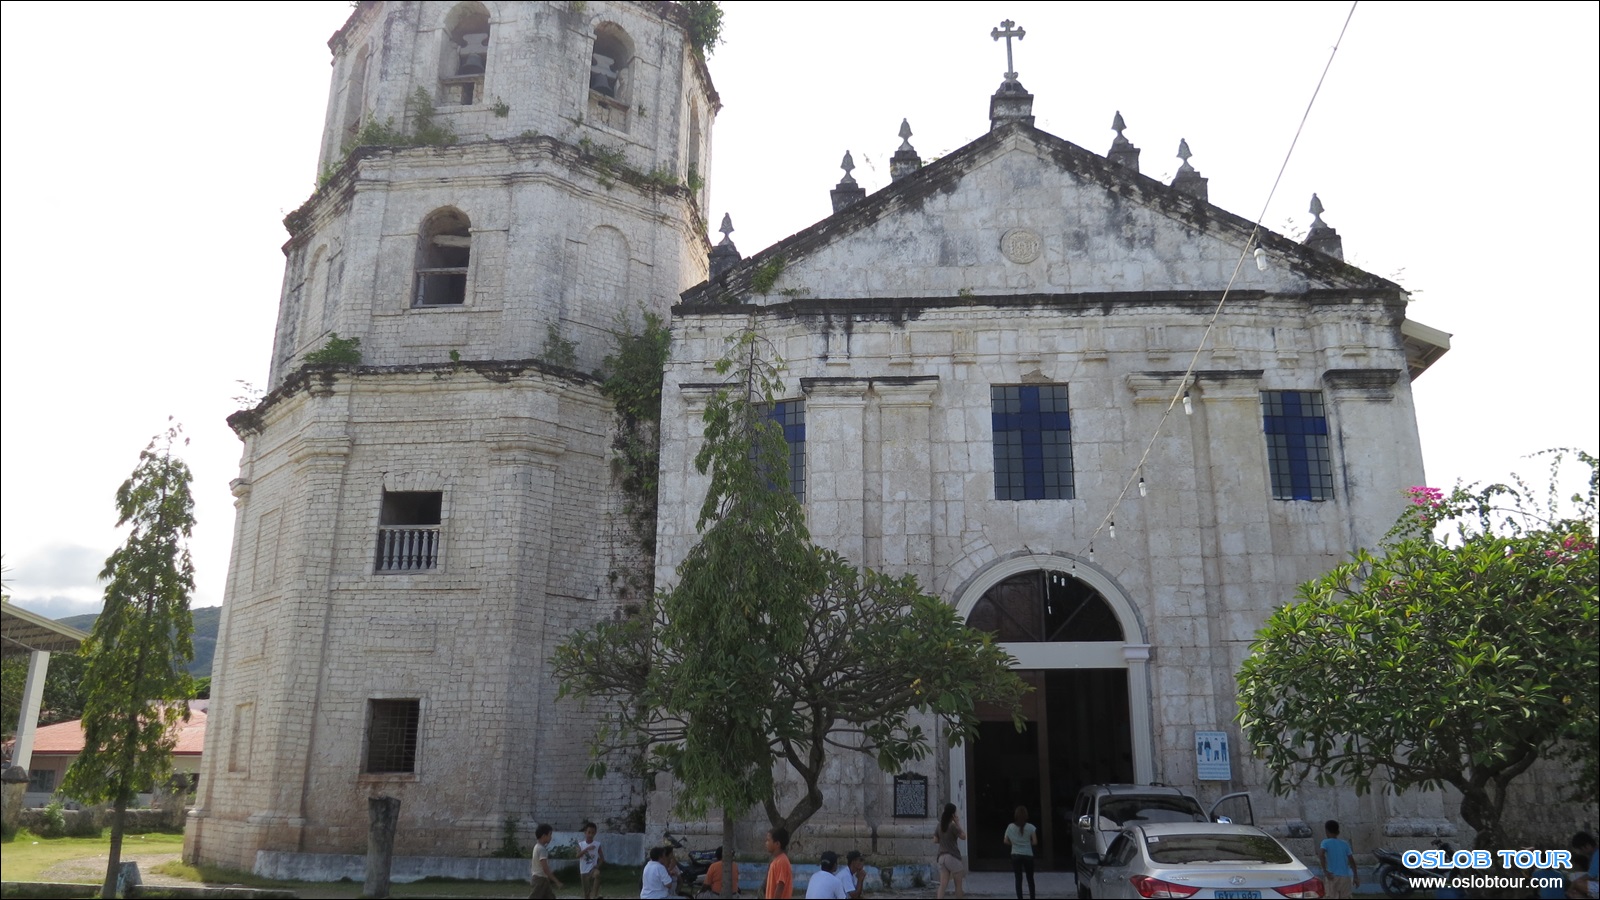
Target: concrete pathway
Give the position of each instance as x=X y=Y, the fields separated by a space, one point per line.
x=999 y=884
x=92 y=869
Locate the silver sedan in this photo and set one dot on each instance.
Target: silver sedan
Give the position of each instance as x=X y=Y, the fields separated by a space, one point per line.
x=1197 y=859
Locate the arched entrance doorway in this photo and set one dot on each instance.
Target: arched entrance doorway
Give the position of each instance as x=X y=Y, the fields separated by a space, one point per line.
x=1077 y=643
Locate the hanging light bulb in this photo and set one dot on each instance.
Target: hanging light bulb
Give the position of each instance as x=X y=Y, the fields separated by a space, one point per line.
x=1262 y=262
x=1113 y=529
x=1091 y=553
x=1188 y=407
x=1143 y=491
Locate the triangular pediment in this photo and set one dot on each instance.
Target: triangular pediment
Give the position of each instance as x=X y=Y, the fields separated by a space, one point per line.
x=1021 y=212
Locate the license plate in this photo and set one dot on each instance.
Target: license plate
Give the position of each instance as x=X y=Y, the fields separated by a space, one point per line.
x=1238 y=895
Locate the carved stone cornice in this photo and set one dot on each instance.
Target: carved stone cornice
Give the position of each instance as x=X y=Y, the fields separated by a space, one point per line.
x=835 y=391
x=1205 y=384
x=1368 y=384
x=523 y=446
x=911 y=390
x=320 y=454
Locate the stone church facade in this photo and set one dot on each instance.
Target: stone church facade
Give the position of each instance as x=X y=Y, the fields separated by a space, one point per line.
x=977 y=358
x=992 y=357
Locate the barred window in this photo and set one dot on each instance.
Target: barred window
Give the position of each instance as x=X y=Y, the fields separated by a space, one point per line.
x=1032 y=442
x=1296 y=425
x=392 y=736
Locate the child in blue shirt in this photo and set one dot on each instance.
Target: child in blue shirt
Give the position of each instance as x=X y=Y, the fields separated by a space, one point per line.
x=1338 y=862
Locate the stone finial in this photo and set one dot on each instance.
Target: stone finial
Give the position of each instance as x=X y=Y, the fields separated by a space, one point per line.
x=724 y=255
x=1011 y=103
x=848 y=191
x=1321 y=236
x=1122 y=151
x=1188 y=180
x=905 y=160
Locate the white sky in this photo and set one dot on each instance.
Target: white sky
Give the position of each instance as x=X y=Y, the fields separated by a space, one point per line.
x=150 y=152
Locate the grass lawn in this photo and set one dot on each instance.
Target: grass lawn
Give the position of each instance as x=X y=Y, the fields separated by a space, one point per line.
x=616 y=881
x=28 y=857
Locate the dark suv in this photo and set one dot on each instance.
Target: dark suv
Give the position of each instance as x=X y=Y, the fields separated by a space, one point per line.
x=1102 y=810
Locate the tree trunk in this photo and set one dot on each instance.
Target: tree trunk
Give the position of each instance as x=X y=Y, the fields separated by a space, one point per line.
x=1479 y=811
x=383 y=815
x=799 y=814
x=723 y=889
x=108 y=890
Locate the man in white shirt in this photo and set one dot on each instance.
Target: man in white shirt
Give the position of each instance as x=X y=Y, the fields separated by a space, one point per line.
x=826 y=884
x=854 y=875
x=657 y=881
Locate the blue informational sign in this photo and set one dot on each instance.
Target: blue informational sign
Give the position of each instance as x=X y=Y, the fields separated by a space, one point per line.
x=1211 y=760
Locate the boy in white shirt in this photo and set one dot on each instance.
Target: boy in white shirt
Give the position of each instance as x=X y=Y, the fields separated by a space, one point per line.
x=590 y=856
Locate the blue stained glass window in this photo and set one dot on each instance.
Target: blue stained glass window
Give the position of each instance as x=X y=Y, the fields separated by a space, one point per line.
x=791 y=417
x=1032 y=442
x=1296 y=425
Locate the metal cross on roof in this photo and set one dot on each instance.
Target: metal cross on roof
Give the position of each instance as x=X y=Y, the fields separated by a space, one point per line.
x=1006 y=31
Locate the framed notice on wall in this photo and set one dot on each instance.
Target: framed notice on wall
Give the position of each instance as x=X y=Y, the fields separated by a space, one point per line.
x=1211 y=759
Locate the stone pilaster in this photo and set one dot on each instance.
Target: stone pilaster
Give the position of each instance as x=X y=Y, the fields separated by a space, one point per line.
x=905 y=472
x=523 y=458
x=286 y=730
x=836 y=455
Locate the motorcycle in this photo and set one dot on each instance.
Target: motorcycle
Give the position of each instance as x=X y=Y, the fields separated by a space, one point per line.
x=1395 y=878
x=692 y=866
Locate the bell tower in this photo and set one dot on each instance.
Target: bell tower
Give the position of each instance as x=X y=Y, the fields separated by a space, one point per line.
x=425 y=506
x=496 y=177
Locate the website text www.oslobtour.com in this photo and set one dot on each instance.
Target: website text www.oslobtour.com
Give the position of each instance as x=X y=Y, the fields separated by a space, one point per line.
x=1482 y=882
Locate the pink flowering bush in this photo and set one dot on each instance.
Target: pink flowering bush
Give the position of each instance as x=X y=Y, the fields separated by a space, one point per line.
x=1459 y=653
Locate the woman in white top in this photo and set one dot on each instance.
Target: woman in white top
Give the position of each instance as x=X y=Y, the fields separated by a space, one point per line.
x=1022 y=837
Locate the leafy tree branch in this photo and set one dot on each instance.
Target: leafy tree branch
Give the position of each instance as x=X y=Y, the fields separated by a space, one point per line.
x=1461 y=654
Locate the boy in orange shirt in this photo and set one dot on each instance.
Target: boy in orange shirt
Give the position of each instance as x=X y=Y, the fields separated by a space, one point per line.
x=717 y=874
x=780 y=875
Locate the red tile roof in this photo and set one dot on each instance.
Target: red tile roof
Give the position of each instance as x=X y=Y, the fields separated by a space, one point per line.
x=66 y=738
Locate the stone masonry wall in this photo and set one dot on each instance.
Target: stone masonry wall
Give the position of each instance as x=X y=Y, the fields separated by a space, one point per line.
x=312 y=632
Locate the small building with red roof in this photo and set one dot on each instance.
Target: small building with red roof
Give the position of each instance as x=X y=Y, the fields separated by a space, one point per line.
x=56 y=746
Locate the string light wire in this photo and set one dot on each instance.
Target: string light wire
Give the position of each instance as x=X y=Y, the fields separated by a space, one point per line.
x=1181 y=393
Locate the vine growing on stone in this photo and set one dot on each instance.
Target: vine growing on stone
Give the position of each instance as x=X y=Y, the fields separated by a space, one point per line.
x=633 y=384
x=705 y=25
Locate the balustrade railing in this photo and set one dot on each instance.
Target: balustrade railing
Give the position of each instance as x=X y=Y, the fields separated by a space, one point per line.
x=408 y=548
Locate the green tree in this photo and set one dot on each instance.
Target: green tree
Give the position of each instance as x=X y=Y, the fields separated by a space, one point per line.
x=1461 y=654
x=770 y=650
x=134 y=677
x=64 y=693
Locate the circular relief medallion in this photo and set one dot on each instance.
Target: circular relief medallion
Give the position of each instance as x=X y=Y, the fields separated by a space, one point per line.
x=1021 y=245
